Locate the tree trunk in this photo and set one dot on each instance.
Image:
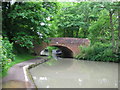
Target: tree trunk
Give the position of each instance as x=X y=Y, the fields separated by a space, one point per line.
x=64 y=32
x=118 y=42
x=77 y=31
x=112 y=30
x=71 y=33
x=119 y=24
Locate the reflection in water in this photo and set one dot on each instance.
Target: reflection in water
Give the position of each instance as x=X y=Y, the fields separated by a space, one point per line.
x=80 y=82
x=71 y=73
x=43 y=78
x=47 y=86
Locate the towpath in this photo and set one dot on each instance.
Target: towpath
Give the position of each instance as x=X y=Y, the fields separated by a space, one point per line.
x=16 y=75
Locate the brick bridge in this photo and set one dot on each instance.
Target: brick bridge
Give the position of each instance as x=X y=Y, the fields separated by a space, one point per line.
x=68 y=46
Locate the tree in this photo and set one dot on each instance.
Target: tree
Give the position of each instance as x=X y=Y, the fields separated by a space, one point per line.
x=77 y=17
x=26 y=23
x=99 y=30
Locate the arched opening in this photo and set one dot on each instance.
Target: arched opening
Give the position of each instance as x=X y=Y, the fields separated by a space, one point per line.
x=66 y=52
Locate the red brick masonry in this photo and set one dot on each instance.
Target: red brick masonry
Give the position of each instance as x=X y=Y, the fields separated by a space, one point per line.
x=70 y=43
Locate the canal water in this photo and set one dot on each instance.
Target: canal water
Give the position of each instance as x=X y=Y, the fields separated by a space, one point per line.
x=72 y=73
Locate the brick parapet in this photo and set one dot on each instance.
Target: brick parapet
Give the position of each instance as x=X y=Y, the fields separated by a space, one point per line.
x=70 y=43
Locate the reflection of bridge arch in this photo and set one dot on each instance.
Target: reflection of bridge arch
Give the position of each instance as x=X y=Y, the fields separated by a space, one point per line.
x=70 y=46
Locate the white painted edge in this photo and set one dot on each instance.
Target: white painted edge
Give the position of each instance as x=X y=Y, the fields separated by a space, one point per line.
x=25 y=72
x=25 y=68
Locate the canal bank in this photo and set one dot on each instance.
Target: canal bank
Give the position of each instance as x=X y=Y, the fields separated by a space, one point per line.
x=18 y=77
x=62 y=73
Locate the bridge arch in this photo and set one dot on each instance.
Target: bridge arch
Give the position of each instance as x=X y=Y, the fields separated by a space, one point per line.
x=66 y=51
x=69 y=46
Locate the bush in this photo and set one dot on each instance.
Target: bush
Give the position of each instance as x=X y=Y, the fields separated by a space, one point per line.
x=7 y=55
x=98 y=52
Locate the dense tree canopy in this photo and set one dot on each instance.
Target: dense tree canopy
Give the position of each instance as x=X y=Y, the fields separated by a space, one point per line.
x=98 y=21
x=27 y=23
x=88 y=18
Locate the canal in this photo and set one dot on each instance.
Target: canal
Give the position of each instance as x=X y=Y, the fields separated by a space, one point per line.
x=72 y=73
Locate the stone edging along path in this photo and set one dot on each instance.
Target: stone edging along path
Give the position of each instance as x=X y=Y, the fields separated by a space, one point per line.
x=19 y=75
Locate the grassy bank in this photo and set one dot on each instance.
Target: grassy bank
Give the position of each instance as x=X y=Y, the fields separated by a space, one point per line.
x=18 y=58
x=99 y=52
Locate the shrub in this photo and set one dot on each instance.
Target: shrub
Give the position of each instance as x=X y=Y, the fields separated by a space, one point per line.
x=7 y=55
x=98 y=52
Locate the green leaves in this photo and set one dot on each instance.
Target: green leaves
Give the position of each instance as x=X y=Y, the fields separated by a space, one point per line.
x=25 y=20
x=77 y=17
x=98 y=52
x=24 y=41
x=25 y=23
x=7 y=55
